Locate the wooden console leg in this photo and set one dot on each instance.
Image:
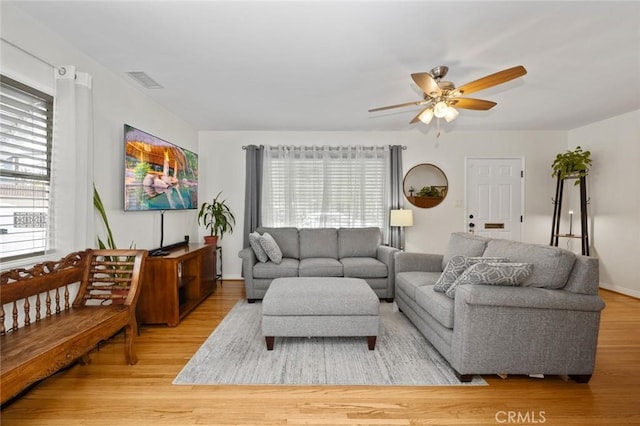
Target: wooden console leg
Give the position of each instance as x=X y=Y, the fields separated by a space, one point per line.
x=371 y=341
x=269 y=341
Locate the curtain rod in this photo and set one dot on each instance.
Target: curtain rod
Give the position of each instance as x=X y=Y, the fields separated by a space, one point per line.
x=61 y=70
x=244 y=147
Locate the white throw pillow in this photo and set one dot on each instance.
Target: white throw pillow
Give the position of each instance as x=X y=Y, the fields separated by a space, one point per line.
x=254 y=241
x=271 y=248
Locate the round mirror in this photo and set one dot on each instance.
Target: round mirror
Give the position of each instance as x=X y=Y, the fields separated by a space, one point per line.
x=425 y=185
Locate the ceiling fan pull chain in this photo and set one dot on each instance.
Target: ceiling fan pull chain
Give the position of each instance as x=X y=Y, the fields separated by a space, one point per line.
x=438 y=127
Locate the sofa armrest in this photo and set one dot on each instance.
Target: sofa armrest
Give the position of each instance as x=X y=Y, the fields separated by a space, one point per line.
x=527 y=297
x=385 y=255
x=524 y=330
x=418 y=262
x=248 y=260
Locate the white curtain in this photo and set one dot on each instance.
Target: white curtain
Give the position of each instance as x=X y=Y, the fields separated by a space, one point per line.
x=72 y=160
x=323 y=186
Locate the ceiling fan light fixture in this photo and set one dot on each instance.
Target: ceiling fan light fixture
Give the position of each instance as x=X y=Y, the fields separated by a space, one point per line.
x=426 y=116
x=440 y=109
x=451 y=114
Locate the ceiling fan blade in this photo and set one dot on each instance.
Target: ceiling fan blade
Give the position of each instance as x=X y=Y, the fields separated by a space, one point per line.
x=492 y=80
x=399 y=105
x=427 y=83
x=470 y=103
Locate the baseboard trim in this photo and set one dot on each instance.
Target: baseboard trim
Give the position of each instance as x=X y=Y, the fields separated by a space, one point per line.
x=621 y=290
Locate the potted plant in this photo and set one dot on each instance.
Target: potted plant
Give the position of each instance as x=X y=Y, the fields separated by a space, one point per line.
x=217 y=218
x=572 y=164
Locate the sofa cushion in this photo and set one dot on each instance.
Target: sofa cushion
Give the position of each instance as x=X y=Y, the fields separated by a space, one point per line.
x=320 y=267
x=358 y=242
x=551 y=265
x=464 y=244
x=287 y=268
x=254 y=242
x=510 y=274
x=437 y=304
x=318 y=242
x=287 y=239
x=363 y=267
x=271 y=248
x=456 y=266
x=408 y=282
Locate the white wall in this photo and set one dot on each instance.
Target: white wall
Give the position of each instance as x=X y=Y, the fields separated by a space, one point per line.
x=117 y=101
x=226 y=160
x=613 y=186
x=614 y=183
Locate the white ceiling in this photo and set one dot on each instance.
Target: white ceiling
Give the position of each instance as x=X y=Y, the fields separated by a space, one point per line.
x=301 y=65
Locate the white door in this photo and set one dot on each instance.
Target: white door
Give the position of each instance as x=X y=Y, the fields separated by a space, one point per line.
x=494 y=197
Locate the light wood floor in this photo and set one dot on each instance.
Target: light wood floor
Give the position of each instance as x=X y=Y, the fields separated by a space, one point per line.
x=109 y=392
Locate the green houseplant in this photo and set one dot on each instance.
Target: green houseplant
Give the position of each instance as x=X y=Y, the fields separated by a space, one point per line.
x=217 y=218
x=572 y=164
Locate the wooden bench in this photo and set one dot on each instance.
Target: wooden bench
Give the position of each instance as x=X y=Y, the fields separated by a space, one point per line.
x=46 y=332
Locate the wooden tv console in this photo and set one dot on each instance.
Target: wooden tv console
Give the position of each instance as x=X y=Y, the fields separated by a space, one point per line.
x=174 y=284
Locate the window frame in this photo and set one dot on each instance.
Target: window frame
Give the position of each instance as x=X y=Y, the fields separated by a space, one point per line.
x=14 y=129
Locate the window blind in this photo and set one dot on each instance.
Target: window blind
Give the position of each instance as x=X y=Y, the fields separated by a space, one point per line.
x=318 y=187
x=26 y=127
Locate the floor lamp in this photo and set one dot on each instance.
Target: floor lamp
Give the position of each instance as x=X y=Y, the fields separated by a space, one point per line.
x=401 y=218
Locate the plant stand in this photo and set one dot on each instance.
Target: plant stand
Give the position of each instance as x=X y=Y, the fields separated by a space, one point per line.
x=557 y=208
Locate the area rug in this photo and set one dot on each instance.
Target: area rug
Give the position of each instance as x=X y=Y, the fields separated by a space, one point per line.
x=235 y=353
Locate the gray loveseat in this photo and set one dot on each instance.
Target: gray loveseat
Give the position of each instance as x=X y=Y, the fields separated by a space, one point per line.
x=547 y=325
x=323 y=252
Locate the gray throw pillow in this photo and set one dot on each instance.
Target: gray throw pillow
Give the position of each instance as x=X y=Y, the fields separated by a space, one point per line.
x=254 y=241
x=271 y=248
x=509 y=274
x=456 y=266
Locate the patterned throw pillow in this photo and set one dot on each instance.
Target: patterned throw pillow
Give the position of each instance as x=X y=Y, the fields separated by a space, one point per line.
x=254 y=241
x=271 y=248
x=456 y=266
x=510 y=274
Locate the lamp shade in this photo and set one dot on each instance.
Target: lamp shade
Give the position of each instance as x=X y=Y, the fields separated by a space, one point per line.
x=401 y=218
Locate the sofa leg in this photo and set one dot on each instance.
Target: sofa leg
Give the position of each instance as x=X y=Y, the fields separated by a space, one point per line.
x=251 y=300
x=388 y=300
x=371 y=342
x=464 y=378
x=269 y=341
x=580 y=378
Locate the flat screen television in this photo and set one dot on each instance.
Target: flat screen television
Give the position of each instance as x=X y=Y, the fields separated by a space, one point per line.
x=158 y=175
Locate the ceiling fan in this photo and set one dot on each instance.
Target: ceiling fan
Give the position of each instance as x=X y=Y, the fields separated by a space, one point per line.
x=440 y=96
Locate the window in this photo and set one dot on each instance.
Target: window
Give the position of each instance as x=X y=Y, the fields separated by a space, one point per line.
x=26 y=122
x=317 y=187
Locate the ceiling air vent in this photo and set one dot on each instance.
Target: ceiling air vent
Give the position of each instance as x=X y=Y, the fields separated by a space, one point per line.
x=142 y=78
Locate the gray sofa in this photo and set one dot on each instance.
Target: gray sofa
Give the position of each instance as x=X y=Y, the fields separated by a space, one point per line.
x=546 y=325
x=323 y=252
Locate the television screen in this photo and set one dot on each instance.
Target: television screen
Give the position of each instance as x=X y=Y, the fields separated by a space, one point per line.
x=158 y=175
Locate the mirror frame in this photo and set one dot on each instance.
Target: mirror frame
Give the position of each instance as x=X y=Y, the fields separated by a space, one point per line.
x=426 y=201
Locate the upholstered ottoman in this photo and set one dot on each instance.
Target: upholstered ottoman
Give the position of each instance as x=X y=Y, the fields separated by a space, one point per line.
x=320 y=307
